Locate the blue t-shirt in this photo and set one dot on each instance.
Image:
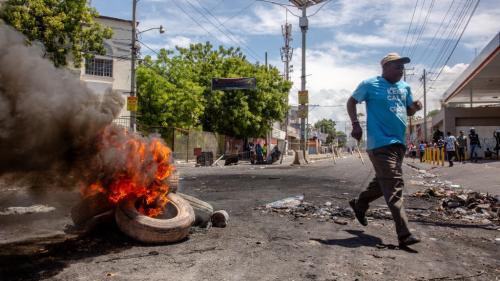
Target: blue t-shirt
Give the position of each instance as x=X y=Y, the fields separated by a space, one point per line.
x=386 y=110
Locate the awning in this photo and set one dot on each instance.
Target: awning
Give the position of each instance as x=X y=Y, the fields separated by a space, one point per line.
x=479 y=84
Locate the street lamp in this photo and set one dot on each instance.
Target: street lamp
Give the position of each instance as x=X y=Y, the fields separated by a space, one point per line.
x=161 y=30
x=303 y=23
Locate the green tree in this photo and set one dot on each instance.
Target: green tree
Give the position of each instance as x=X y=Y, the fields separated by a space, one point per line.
x=63 y=27
x=326 y=126
x=235 y=112
x=167 y=95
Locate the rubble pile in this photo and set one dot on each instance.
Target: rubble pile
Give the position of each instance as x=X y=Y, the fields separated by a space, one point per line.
x=463 y=204
x=296 y=207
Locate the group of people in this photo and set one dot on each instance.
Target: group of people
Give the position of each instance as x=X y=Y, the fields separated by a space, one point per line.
x=258 y=154
x=455 y=147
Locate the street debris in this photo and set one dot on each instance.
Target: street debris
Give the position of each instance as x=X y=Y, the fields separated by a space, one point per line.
x=454 y=202
x=289 y=202
x=26 y=210
x=220 y=218
x=296 y=207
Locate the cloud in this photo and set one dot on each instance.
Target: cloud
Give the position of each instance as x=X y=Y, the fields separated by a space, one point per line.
x=363 y=40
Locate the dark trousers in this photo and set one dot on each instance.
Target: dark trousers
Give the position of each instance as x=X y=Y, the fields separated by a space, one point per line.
x=388 y=182
x=450 y=155
x=461 y=154
x=422 y=153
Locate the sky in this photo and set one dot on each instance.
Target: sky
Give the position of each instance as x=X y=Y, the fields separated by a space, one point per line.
x=345 y=41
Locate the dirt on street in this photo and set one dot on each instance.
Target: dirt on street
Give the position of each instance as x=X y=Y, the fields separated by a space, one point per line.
x=259 y=244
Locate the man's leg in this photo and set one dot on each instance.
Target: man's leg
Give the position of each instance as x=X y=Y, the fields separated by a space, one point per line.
x=389 y=173
x=472 y=148
x=371 y=193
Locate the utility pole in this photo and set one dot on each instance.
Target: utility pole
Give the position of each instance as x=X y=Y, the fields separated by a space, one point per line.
x=424 y=80
x=286 y=57
x=410 y=118
x=303 y=23
x=132 y=64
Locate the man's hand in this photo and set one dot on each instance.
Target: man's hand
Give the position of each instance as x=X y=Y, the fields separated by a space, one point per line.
x=357 y=132
x=413 y=108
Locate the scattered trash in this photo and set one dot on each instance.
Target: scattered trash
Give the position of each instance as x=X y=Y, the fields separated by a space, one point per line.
x=341 y=222
x=220 y=218
x=26 y=210
x=455 y=202
x=288 y=202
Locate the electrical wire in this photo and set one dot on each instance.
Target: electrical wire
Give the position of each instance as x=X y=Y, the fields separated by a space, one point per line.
x=237 y=41
x=447 y=38
x=437 y=31
x=429 y=11
x=416 y=27
x=409 y=27
x=239 y=12
x=193 y=19
x=321 y=7
x=457 y=40
x=456 y=43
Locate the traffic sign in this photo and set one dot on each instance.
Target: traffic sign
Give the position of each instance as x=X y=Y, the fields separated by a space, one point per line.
x=303 y=97
x=132 y=104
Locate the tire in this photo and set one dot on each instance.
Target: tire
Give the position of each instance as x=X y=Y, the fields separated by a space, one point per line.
x=155 y=230
x=202 y=210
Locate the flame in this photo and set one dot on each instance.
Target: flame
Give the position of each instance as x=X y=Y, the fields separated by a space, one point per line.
x=146 y=166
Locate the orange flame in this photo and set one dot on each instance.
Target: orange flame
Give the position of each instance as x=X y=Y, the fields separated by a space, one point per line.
x=143 y=174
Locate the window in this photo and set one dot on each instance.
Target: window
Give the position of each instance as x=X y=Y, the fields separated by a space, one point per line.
x=99 y=67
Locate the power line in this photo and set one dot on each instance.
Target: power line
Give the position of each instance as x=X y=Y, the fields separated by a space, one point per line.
x=319 y=9
x=239 y=12
x=409 y=27
x=237 y=41
x=437 y=31
x=193 y=19
x=415 y=28
x=458 y=39
x=451 y=34
x=429 y=11
x=456 y=43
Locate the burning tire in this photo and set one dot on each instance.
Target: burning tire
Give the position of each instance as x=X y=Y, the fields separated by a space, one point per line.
x=202 y=210
x=155 y=230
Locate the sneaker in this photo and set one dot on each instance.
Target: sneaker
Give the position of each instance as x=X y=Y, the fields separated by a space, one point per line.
x=359 y=214
x=408 y=240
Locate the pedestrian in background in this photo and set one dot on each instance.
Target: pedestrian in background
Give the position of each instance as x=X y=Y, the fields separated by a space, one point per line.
x=462 y=146
x=451 y=142
x=474 y=144
x=421 y=149
x=388 y=103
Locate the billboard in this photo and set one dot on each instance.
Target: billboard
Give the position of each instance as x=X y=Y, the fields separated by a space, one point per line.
x=244 y=83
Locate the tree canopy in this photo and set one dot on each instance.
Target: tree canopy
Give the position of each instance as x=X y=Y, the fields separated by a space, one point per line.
x=326 y=126
x=63 y=27
x=183 y=77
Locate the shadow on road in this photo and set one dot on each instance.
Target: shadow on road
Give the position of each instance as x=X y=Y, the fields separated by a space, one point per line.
x=46 y=257
x=362 y=239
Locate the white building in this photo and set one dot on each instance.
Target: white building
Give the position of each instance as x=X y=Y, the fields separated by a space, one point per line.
x=112 y=70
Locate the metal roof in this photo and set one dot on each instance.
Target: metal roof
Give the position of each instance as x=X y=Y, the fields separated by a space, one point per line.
x=480 y=81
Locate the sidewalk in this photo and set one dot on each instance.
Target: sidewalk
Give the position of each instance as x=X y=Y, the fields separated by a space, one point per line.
x=483 y=176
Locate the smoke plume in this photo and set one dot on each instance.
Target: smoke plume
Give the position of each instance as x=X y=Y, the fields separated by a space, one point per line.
x=49 y=120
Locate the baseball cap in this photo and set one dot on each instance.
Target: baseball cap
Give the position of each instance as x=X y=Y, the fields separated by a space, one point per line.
x=394 y=57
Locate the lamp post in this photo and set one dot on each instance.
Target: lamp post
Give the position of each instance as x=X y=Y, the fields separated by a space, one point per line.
x=133 y=50
x=303 y=23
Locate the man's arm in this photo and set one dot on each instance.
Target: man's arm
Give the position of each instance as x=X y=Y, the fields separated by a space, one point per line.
x=357 y=132
x=413 y=108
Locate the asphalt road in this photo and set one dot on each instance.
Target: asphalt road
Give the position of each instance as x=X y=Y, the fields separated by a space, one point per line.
x=256 y=245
